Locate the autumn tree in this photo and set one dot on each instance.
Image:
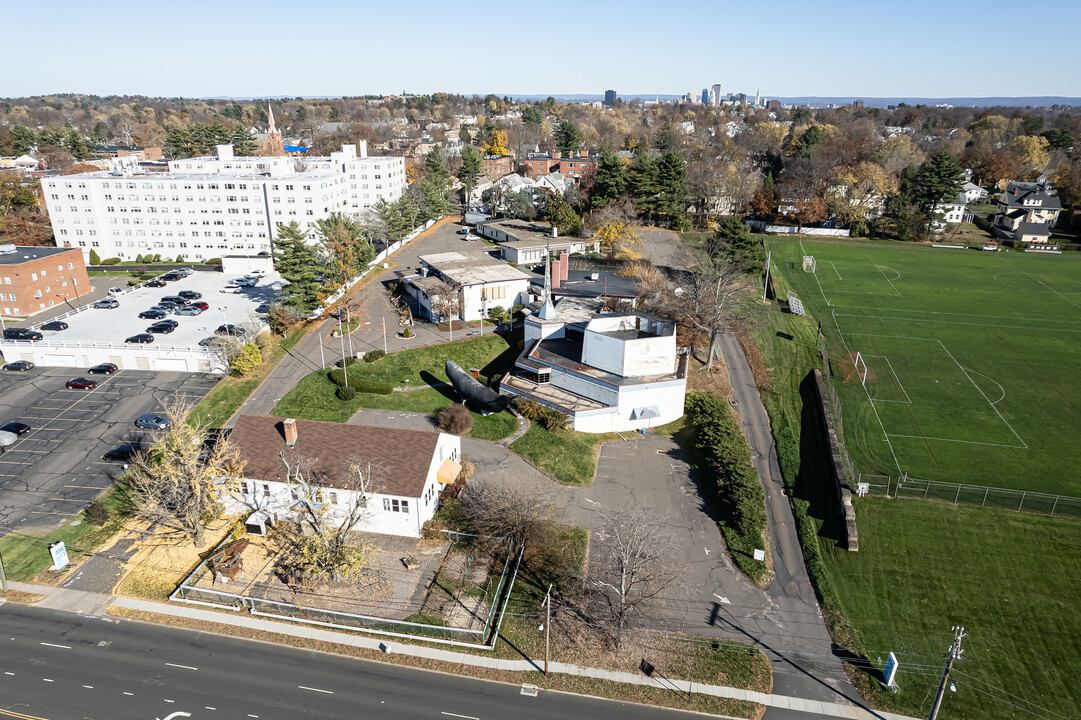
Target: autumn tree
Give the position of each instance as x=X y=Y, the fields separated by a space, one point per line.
x=862 y=192
x=615 y=228
x=346 y=251
x=173 y=487
x=708 y=300
x=1032 y=152
x=497 y=143
x=327 y=546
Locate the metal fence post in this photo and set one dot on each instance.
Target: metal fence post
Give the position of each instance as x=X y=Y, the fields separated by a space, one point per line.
x=985 y=491
x=1022 y=503
x=1055 y=505
x=926 y=488
x=957 y=496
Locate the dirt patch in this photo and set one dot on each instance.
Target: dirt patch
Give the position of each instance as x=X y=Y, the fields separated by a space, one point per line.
x=714 y=380
x=160 y=563
x=759 y=369
x=21 y=596
x=849 y=372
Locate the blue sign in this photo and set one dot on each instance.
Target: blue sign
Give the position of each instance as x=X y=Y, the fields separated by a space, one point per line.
x=890 y=671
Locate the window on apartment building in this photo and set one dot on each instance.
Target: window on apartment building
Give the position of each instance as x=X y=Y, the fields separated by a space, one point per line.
x=288 y=187
x=395 y=505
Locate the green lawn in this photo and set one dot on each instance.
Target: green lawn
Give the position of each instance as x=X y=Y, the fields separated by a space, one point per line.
x=967 y=355
x=570 y=457
x=314 y=396
x=1011 y=580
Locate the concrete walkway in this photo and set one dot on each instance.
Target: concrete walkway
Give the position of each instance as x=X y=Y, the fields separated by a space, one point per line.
x=94 y=604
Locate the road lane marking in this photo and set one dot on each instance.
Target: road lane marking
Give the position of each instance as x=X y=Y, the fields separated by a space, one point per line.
x=47 y=680
x=305 y=687
x=21 y=716
x=169 y=701
x=66 y=647
x=186 y=667
x=466 y=717
x=207 y=707
x=88 y=687
x=9 y=673
x=127 y=693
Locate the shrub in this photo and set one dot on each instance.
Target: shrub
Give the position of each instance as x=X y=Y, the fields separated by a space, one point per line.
x=212 y=261
x=358 y=383
x=97 y=513
x=553 y=419
x=407 y=333
x=266 y=343
x=95 y=259
x=346 y=393
x=180 y=258
x=373 y=355
x=111 y=261
x=139 y=258
x=157 y=258
x=528 y=407
x=455 y=419
x=246 y=360
x=134 y=281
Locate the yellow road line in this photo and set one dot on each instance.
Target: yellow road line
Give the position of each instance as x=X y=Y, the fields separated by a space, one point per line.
x=21 y=716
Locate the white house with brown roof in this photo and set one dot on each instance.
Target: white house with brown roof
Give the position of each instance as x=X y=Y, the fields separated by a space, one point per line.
x=408 y=468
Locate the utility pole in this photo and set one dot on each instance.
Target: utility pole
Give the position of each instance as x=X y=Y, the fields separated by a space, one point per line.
x=3 y=577
x=765 y=283
x=384 y=335
x=954 y=654
x=547 y=624
x=345 y=366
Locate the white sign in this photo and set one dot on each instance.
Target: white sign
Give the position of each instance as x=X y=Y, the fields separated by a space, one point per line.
x=890 y=671
x=60 y=555
x=862 y=489
x=760 y=555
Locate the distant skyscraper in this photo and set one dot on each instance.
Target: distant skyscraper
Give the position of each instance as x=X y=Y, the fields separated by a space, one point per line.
x=757 y=97
x=716 y=93
x=705 y=96
x=610 y=97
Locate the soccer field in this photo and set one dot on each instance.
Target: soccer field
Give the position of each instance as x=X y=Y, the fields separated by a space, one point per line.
x=966 y=369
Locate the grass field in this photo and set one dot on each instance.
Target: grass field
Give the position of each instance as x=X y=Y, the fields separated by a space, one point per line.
x=1009 y=578
x=967 y=356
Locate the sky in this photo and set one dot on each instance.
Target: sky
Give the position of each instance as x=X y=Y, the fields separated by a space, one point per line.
x=784 y=48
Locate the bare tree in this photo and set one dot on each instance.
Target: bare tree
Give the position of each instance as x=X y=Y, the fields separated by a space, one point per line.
x=518 y=508
x=634 y=562
x=445 y=302
x=174 y=485
x=708 y=299
x=330 y=514
x=123 y=130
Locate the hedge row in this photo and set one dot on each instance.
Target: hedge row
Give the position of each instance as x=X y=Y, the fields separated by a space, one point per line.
x=724 y=454
x=358 y=383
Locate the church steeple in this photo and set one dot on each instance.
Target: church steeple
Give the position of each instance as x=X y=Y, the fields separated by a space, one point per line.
x=271 y=128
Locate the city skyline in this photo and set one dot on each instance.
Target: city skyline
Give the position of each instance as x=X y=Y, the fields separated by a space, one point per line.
x=848 y=50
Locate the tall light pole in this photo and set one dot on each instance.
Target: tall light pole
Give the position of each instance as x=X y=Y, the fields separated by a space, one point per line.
x=547 y=623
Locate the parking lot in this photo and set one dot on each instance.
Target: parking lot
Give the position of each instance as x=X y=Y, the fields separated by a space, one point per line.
x=55 y=469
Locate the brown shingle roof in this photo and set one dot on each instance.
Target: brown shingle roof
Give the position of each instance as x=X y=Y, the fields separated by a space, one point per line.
x=401 y=456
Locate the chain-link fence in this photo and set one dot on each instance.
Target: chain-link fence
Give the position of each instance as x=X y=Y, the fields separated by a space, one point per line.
x=974 y=495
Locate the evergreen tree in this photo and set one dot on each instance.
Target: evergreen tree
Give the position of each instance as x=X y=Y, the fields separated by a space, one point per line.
x=672 y=182
x=531 y=116
x=558 y=211
x=734 y=242
x=298 y=262
x=567 y=137
x=611 y=180
x=644 y=184
x=23 y=140
x=95 y=259
x=518 y=206
x=346 y=250
x=177 y=142
x=472 y=168
x=435 y=185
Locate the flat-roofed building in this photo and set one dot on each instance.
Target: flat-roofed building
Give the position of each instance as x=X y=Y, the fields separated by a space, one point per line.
x=523 y=242
x=33 y=279
x=478 y=282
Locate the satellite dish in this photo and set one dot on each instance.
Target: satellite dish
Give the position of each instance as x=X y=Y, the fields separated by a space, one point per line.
x=7 y=438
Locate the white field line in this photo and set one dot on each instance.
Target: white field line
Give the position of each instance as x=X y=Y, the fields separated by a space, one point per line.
x=1049 y=288
x=966 y=442
x=984 y=395
x=885 y=435
x=884 y=276
x=836 y=271
x=943 y=312
x=839 y=333
x=907 y=400
x=996 y=382
x=958 y=322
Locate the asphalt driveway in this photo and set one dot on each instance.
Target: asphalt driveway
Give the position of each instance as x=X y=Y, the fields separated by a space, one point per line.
x=55 y=469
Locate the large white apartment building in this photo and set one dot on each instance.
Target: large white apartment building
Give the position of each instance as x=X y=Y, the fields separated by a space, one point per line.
x=212 y=206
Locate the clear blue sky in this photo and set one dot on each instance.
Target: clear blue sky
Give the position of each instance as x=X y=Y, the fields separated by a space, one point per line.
x=786 y=48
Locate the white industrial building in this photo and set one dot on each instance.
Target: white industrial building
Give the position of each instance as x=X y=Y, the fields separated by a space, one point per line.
x=479 y=282
x=208 y=207
x=609 y=372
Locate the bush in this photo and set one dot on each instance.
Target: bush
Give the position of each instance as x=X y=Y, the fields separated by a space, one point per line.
x=111 y=261
x=346 y=362
x=548 y=418
x=212 y=261
x=455 y=419
x=358 y=383
x=97 y=513
x=157 y=258
x=346 y=393
x=95 y=259
x=139 y=258
x=266 y=343
x=134 y=281
x=246 y=360
x=180 y=258
x=407 y=333
x=373 y=355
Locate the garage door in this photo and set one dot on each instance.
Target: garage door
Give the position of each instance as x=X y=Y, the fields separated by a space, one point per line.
x=175 y=364
x=58 y=360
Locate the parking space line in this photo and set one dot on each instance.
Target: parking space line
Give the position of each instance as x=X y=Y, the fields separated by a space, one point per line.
x=83 y=487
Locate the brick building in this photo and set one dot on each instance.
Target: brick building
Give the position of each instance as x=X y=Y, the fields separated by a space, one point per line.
x=33 y=279
x=573 y=166
x=142 y=153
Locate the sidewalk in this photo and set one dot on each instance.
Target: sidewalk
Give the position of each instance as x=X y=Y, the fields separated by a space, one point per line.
x=94 y=604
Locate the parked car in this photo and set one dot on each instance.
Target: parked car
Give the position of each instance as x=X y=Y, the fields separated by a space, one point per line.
x=229 y=329
x=107 y=304
x=263 y=309
x=115 y=291
x=81 y=383
x=463 y=231
x=190 y=294
x=152 y=421
x=247 y=282
x=231 y=289
x=123 y=454
x=208 y=341
x=22 y=334
x=16 y=428
x=189 y=310
x=19 y=366
x=55 y=326
x=152 y=314
x=257 y=273
x=156 y=282
x=170 y=277
x=103 y=369
x=141 y=338
x=174 y=299
x=162 y=328
x=200 y=304
x=183 y=272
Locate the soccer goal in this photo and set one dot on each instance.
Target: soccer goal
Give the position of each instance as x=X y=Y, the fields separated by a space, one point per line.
x=853 y=366
x=809 y=263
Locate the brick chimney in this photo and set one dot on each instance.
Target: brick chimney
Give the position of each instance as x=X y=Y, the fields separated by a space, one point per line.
x=290 y=427
x=556 y=273
x=583 y=153
x=564 y=265
x=557 y=155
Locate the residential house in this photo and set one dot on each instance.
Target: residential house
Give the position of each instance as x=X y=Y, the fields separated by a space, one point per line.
x=954 y=212
x=478 y=281
x=609 y=372
x=573 y=166
x=973 y=192
x=1026 y=213
x=522 y=242
x=551 y=184
x=406 y=469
